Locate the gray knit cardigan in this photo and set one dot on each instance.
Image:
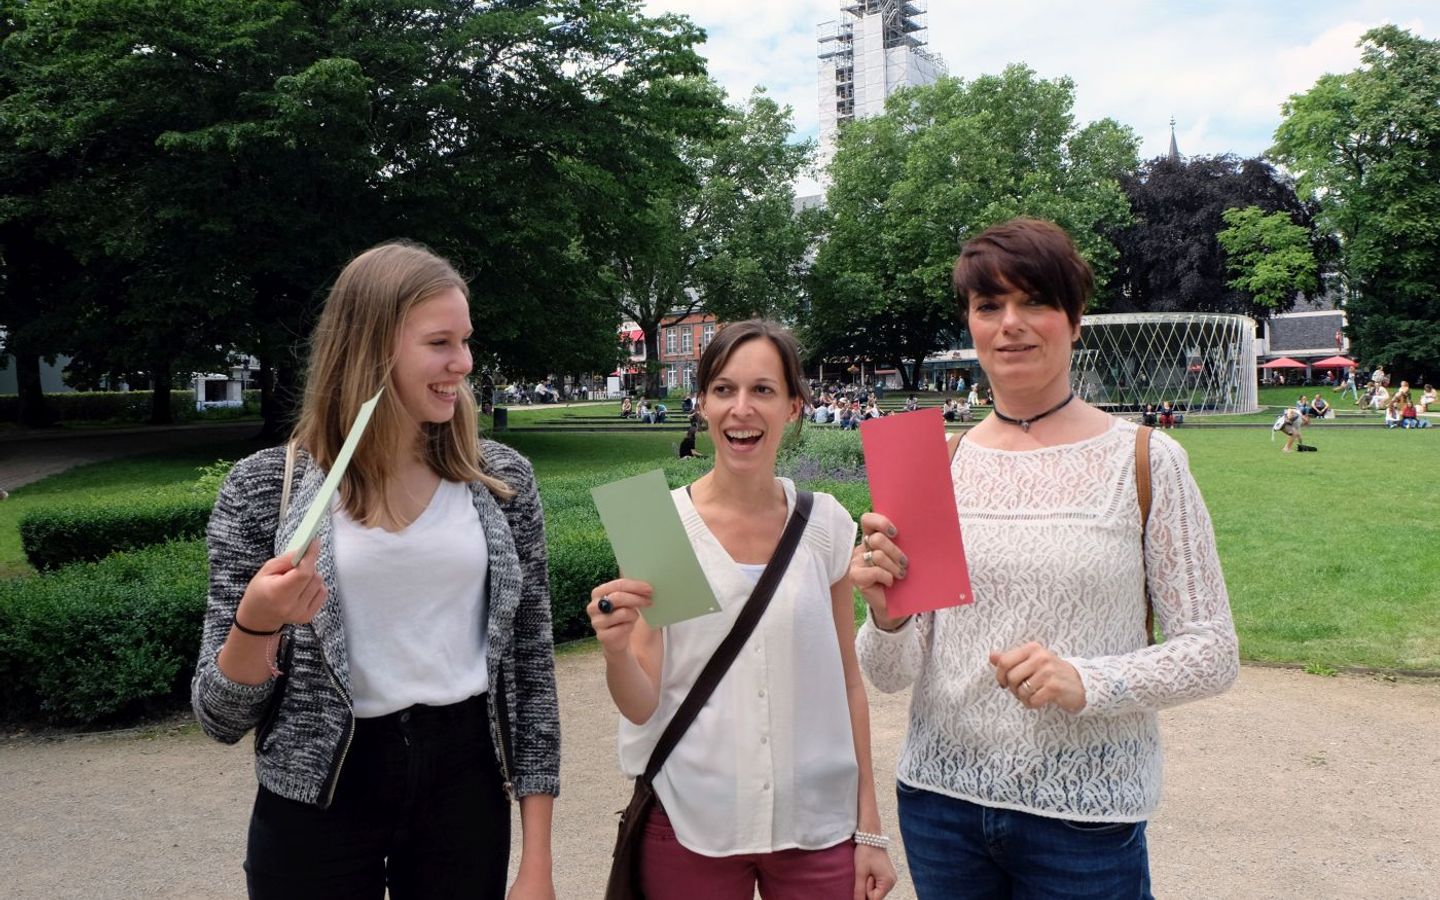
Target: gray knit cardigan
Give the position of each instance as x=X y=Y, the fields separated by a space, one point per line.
x=304 y=720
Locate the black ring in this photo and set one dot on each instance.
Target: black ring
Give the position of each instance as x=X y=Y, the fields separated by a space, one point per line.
x=605 y=606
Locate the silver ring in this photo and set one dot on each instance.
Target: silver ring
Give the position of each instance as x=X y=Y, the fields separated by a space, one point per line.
x=1026 y=685
x=865 y=539
x=869 y=557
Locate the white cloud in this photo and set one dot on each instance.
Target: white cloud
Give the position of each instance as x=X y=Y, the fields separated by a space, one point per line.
x=1222 y=69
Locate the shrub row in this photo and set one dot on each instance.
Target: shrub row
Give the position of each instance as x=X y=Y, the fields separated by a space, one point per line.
x=58 y=536
x=96 y=641
x=99 y=641
x=122 y=406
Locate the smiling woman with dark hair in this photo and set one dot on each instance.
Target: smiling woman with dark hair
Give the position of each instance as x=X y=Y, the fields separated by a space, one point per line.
x=771 y=783
x=1034 y=709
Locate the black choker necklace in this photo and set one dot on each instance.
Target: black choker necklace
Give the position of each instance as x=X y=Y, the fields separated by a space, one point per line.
x=1026 y=423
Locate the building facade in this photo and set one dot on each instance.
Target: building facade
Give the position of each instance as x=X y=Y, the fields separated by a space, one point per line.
x=875 y=48
x=682 y=341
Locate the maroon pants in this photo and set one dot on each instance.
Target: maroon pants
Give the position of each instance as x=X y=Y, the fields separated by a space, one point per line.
x=668 y=871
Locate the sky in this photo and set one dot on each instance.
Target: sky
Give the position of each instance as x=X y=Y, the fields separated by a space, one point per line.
x=1220 y=68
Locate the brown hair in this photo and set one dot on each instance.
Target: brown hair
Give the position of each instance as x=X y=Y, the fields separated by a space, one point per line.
x=352 y=355
x=1029 y=255
x=733 y=335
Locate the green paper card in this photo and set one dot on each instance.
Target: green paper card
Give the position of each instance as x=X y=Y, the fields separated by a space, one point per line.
x=310 y=525
x=651 y=545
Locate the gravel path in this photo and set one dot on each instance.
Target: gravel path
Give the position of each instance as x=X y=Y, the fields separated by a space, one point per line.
x=1290 y=785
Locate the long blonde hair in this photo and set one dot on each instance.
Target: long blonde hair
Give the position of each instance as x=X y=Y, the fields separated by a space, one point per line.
x=352 y=355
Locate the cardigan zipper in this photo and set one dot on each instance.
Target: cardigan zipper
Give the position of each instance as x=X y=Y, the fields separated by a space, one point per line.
x=499 y=726
x=349 y=735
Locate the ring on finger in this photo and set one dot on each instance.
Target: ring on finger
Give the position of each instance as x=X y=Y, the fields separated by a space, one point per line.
x=869 y=557
x=1025 y=685
x=865 y=539
x=605 y=606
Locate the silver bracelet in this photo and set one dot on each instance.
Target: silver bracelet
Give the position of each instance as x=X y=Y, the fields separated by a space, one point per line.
x=866 y=839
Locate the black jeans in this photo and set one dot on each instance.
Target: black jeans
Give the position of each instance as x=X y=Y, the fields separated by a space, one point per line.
x=420 y=809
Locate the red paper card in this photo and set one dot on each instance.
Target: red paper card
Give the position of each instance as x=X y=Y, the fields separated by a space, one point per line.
x=908 y=464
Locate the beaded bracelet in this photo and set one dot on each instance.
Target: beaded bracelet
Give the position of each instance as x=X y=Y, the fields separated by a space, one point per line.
x=866 y=839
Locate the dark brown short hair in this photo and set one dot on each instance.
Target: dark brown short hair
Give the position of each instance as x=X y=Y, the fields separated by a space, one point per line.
x=736 y=333
x=1029 y=255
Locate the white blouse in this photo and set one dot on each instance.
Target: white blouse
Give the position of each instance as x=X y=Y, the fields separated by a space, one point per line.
x=1052 y=537
x=769 y=763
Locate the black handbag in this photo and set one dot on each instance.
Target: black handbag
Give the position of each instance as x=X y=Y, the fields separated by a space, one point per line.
x=624 y=882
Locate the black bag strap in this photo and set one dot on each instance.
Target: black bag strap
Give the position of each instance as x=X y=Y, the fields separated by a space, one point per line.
x=740 y=632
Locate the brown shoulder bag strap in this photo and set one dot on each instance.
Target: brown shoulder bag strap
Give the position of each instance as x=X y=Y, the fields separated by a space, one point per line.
x=740 y=632
x=1142 y=492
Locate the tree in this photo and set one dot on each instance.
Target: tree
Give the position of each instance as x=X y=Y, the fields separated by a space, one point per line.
x=721 y=232
x=229 y=158
x=941 y=164
x=1270 y=256
x=1170 y=258
x=1366 y=147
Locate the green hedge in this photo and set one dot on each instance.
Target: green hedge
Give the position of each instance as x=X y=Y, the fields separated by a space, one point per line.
x=124 y=406
x=93 y=642
x=100 y=641
x=59 y=536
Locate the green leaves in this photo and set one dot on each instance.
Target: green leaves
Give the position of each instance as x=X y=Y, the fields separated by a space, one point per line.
x=1366 y=146
x=944 y=162
x=1269 y=255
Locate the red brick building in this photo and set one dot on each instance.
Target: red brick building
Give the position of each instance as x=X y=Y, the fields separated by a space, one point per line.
x=681 y=343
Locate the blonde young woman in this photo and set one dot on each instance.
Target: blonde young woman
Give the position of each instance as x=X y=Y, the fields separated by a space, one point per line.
x=400 y=679
x=771 y=784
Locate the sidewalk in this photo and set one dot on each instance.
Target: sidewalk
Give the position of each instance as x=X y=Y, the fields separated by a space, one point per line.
x=27 y=456
x=1290 y=785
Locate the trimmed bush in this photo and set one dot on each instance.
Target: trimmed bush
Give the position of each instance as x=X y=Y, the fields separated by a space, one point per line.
x=99 y=641
x=56 y=537
x=125 y=406
x=823 y=453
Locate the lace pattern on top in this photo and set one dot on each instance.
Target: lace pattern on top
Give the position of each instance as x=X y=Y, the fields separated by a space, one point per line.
x=1052 y=537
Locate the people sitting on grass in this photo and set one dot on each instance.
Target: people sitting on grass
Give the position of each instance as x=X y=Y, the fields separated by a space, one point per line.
x=627 y=409
x=1319 y=408
x=1427 y=398
x=1167 y=415
x=657 y=415
x=911 y=404
x=1150 y=417
x=687 y=445
x=1392 y=414
x=951 y=410
x=872 y=411
x=1410 y=417
x=822 y=413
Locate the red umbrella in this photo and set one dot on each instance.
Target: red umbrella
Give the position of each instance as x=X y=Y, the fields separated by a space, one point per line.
x=1335 y=362
x=1283 y=362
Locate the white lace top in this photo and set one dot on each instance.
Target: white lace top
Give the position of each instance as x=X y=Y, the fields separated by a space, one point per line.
x=1052 y=537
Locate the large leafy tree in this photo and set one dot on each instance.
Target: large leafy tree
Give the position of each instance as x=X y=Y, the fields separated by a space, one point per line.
x=235 y=155
x=722 y=232
x=1366 y=147
x=1170 y=257
x=941 y=164
x=1270 y=257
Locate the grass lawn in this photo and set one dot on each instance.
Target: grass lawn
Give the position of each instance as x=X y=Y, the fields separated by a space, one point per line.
x=1329 y=556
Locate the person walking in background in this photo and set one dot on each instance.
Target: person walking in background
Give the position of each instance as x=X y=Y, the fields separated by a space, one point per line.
x=1032 y=759
x=772 y=782
x=399 y=679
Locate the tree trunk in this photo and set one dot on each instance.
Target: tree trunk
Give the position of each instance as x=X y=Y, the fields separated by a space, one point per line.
x=653 y=367
x=916 y=370
x=907 y=381
x=34 y=409
x=160 y=383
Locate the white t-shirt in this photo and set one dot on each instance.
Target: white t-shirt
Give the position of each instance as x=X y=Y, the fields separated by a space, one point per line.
x=413 y=603
x=769 y=763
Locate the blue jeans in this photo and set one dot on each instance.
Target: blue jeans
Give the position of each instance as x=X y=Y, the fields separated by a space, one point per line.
x=958 y=849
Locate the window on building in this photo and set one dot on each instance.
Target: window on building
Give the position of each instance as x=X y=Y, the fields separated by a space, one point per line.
x=707 y=335
x=670 y=376
x=687 y=341
x=670 y=341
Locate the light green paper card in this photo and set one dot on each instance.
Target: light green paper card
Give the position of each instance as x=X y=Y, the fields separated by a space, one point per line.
x=300 y=541
x=650 y=544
